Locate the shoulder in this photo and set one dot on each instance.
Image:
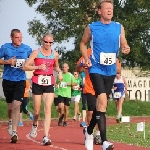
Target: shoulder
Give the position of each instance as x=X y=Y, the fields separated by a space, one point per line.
x=56 y=54
x=94 y=23
x=6 y=45
x=25 y=46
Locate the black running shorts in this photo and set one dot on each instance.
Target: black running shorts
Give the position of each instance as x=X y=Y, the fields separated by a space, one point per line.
x=13 y=90
x=102 y=84
x=40 y=89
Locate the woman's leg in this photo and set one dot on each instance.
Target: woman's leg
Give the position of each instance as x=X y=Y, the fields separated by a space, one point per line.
x=48 y=100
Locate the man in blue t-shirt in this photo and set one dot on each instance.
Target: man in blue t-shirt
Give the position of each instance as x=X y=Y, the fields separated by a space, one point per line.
x=106 y=38
x=13 y=56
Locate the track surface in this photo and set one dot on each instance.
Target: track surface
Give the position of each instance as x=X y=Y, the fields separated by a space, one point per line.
x=63 y=138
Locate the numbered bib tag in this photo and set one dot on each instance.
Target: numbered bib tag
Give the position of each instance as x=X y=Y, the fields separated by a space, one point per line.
x=117 y=94
x=63 y=85
x=107 y=58
x=19 y=63
x=76 y=87
x=44 y=80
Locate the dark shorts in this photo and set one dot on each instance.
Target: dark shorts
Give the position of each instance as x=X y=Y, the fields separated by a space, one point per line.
x=56 y=102
x=84 y=101
x=91 y=101
x=40 y=89
x=102 y=84
x=13 y=90
x=64 y=100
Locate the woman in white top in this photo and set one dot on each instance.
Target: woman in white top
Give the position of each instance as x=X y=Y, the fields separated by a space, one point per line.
x=120 y=88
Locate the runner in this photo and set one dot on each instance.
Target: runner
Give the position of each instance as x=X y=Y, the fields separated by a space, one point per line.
x=24 y=104
x=76 y=96
x=106 y=37
x=45 y=60
x=64 y=94
x=120 y=88
x=89 y=92
x=83 y=98
x=56 y=102
x=14 y=77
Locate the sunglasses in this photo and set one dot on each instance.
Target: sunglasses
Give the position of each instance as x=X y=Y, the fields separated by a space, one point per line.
x=48 y=42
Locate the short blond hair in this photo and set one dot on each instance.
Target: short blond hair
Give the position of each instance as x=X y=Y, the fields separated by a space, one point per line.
x=102 y=1
x=48 y=34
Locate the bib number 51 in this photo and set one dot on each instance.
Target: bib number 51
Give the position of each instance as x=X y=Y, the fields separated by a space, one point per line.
x=44 y=80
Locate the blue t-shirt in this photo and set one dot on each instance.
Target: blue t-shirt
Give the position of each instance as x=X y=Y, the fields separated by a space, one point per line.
x=105 y=44
x=8 y=51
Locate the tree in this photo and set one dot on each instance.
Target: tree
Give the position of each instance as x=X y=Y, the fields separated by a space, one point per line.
x=68 y=18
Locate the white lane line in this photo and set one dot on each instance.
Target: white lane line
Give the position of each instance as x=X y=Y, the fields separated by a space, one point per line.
x=53 y=146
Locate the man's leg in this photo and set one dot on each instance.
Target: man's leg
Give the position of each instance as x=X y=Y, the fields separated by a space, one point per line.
x=19 y=89
x=67 y=104
x=61 y=107
x=102 y=89
x=84 y=101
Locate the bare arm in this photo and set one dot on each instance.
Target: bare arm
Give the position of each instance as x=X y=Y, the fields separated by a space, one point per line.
x=125 y=83
x=123 y=41
x=56 y=65
x=83 y=44
x=28 y=66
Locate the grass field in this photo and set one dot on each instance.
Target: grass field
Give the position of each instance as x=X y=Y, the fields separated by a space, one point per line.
x=126 y=133
x=130 y=108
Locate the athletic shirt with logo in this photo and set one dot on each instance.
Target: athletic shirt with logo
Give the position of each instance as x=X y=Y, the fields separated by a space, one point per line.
x=105 y=44
x=119 y=83
x=64 y=90
x=21 y=53
x=42 y=76
x=76 y=91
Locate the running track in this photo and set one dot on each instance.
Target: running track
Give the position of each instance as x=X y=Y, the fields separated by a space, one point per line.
x=63 y=138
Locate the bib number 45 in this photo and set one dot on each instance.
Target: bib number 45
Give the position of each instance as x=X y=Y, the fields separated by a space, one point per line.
x=107 y=58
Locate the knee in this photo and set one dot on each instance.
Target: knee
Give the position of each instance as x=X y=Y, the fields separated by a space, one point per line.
x=36 y=113
x=16 y=105
x=47 y=111
x=90 y=113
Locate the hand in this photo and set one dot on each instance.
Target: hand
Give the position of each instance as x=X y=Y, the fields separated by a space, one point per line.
x=115 y=88
x=60 y=76
x=43 y=67
x=125 y=91
x=86 y=63
x=11 y=61
x=125 y=50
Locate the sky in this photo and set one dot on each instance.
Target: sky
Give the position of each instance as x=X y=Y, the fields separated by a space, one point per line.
x=15 y=14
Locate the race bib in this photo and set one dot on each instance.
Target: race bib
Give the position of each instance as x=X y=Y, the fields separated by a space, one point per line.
x=76 y=87
x=19 y=63
x=63 y=85
x=44 y=80
x=107 y=58
x=117 y=94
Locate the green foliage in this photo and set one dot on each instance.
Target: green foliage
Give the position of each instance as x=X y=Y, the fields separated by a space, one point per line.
x=68 y=18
